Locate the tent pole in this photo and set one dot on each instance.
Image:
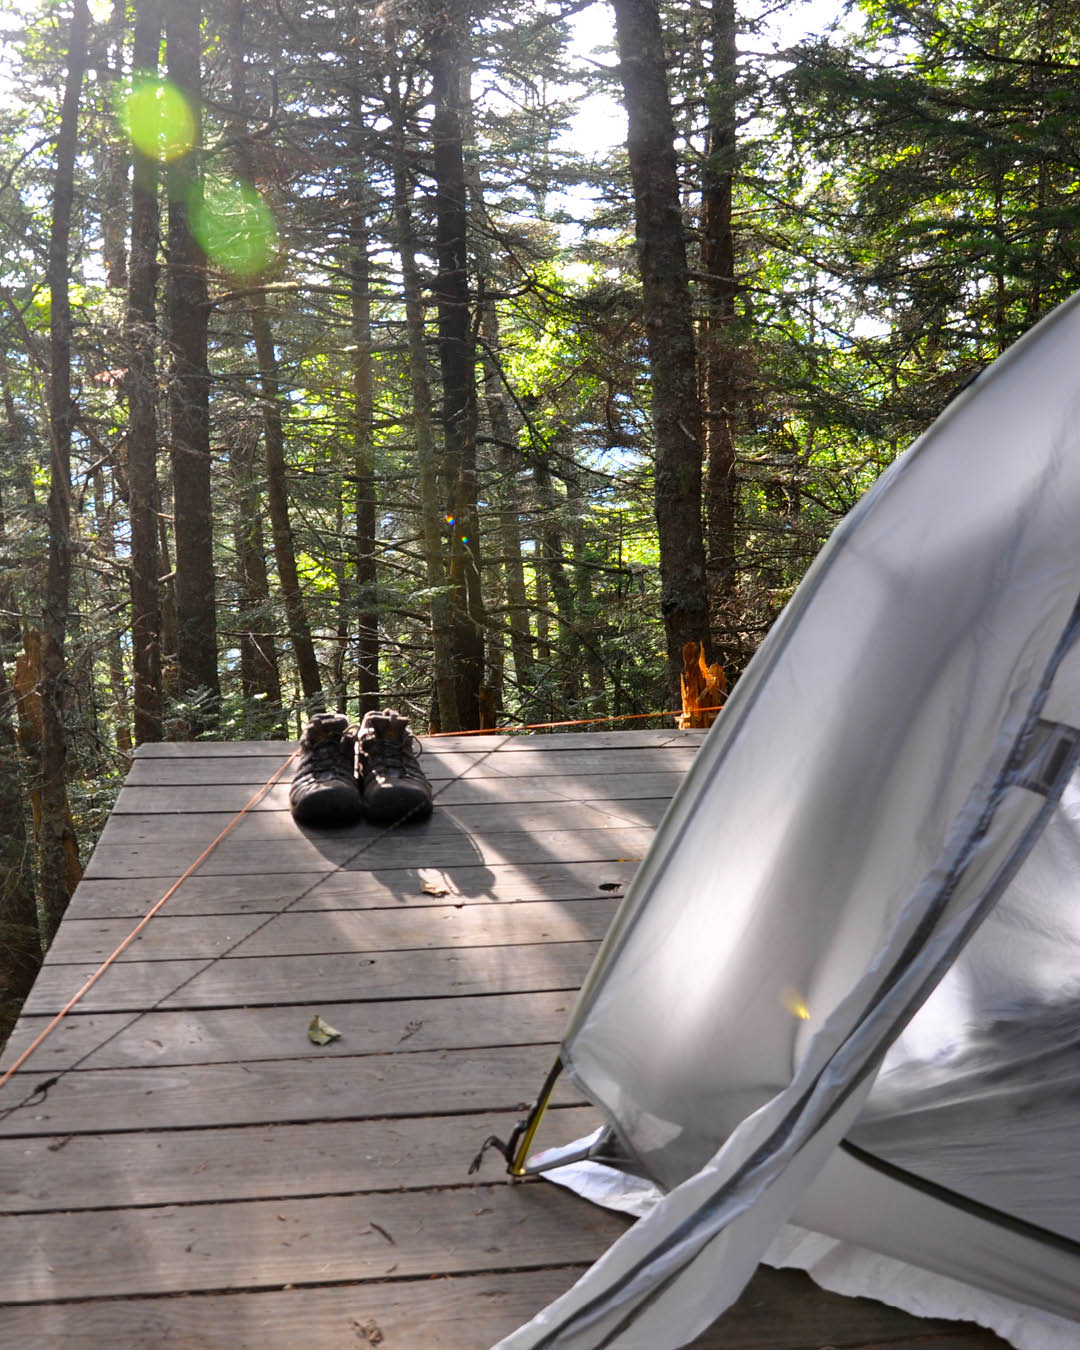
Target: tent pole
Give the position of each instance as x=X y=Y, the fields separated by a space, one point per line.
x=529 y=1126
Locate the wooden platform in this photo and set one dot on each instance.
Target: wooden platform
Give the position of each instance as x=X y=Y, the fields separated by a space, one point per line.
x=202 y=1175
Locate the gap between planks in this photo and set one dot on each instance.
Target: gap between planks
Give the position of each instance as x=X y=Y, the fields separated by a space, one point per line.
x=779 y=1310
x=99 y=1171
x=393 y=887
x=315 y=932
x=226 y=1035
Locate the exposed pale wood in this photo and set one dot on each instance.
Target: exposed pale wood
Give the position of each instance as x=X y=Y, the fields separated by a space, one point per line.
x=263 y=1244
x=780 y=1310
x=596 y=788
x=197 y=829
x=574 y=742
x=366 y=850
x=340 y=1087
x=241 y=1035
x=253 y=981
x=524 y=764
x=79 y=1171
x=437 y=925
x=392 y=888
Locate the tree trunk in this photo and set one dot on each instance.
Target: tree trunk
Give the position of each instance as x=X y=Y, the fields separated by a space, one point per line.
x=189 y=404
x=366 y=605
x=510 y=465
x=142 y=431
x=568 y=647
x=113 y=224
x=114 y=653
x=449 y=27
x=277 y=498
x=259 y=676
x=20 y=940
x=584 y=608
x=444 y=706
x=168 y=607
x=56 y=837
x=261 y=670
x=718 y=264
x=669 y=332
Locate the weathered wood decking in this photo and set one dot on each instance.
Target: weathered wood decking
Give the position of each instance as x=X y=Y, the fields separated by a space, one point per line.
x=202 y=1175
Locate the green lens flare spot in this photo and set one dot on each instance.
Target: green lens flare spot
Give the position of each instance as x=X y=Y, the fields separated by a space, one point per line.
x=158 y=120
x=235 y=227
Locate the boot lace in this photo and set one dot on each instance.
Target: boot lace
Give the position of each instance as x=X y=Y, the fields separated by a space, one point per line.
x=386 y=755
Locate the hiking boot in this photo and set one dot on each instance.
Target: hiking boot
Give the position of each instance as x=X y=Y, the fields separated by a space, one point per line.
x=391 y=781
x=325 y=791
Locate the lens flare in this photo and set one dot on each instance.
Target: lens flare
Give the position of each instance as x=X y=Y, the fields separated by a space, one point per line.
x=234 y=226
x=793 y=1001
x=158 y=120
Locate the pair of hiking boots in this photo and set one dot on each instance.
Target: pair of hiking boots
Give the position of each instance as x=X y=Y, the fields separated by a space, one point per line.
x=346 y=771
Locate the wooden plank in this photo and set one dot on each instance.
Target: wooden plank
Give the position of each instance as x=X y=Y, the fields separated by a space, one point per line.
x=179 y=937
x=239 y=1035
x=261 y=1244
x=163 y=1167
x=393 y=887
x=197 y=829
x=631 y=738
x=231 y=797
x=456 y=1313
x=780 y=1310
x=357 y=1087
x=318 y=980
x=366 y=850
x=524 y=764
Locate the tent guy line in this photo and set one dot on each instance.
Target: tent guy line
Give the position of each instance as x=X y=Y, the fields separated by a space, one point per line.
x=41 y=1090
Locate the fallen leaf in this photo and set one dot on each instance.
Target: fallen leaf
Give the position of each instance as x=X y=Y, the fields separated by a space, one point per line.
x=433 y=888
x=320 y=1032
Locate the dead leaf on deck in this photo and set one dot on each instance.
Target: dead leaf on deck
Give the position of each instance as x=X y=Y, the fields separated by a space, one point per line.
x=433 y=888
x=320 y=1032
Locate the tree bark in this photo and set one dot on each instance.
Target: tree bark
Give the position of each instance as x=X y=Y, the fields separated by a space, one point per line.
x=444 y=706
x=142 y=431
x=277 y=499
x=189 y=403
x=718 y=264
x=366 y=606
x=277 y=493
x=510 y=465
x=259 y=675
x=562 y=592
x=114 y=652
x=56 y=837
x=669 y=331
x=20 y=940
x=449 y=27
x=113 y=223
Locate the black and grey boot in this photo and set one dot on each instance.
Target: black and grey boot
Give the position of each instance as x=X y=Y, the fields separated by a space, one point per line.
x=325 y=791
x=391 y=781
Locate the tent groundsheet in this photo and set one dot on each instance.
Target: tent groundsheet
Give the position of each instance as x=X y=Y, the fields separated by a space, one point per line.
x=843 y=991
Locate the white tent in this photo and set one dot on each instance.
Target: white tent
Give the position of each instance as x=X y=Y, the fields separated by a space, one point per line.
x=837 y=1018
